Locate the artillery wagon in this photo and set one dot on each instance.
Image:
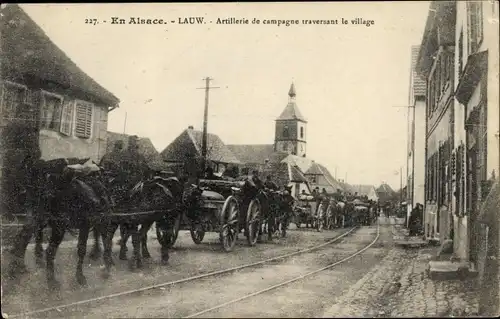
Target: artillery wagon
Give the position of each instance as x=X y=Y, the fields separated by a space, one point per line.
x=220 y=206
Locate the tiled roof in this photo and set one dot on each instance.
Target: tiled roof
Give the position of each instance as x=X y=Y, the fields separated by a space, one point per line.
x=384 y=188
x=291 y=112
x=253 y=153
x=314 y=170
x=27 y=50
x=419 y=85
x=146 y=148
x=297 y=175
x=363 y=190
x=190 y=142
x=305 y=164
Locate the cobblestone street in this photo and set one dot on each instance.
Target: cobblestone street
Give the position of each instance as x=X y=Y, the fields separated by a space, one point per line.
x=400 y=287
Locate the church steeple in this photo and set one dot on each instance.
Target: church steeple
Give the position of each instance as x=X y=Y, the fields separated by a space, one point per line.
x=290 y=133
x=291 y=92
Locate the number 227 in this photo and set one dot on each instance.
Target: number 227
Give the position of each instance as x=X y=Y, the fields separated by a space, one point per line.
x=91 y=21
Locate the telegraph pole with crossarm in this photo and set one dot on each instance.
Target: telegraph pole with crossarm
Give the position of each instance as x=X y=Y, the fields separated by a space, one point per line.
x=205 y=120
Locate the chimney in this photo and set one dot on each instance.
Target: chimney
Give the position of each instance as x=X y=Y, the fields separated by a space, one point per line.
x=190 y=127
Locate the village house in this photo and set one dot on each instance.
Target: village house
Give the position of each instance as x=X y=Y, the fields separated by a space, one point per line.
x=146 y=148
x=385 y=193
x=435 y=64
x=188 y=144
x=477 y=100
x=415 y=193
x=459 y=60
x=70 y=107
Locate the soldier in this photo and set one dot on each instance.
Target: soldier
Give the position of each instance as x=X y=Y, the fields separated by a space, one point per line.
x=111 y=161
x=269 y=184
x=133 y=163
x=256 y=180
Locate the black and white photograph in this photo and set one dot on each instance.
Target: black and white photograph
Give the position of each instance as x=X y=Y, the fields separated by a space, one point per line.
x=250 y=159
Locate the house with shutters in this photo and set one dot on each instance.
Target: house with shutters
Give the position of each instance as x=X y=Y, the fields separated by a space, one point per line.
x=70 y=107
x=458 y=59
x=43 y=89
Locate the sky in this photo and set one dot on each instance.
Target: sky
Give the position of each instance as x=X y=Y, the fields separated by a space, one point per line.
x=351 y=80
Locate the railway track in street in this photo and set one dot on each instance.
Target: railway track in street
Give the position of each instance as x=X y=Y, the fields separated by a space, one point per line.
x=289 y=281
x=61 y=310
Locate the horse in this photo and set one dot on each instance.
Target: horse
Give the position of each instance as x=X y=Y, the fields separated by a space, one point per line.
x=340 y=216
x=157 y=193
x=65 y=201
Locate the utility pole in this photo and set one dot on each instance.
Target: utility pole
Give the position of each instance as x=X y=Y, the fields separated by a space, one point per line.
x=125 y=123
x=205 y=121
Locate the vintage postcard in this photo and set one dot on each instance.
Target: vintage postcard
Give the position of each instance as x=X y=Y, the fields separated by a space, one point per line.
x=239 y=159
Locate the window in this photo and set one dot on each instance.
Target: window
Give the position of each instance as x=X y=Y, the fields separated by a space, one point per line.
x=51 y=107
x=440 y=79
x=474 y=25
x=301 y=132
x=285 y=131
x=13 y=95
x=83 y=119
x=461 y=53
x=285 y=147
x=313 y=179
x=67 y=118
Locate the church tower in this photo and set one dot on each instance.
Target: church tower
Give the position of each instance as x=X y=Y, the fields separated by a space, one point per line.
x=290 y=134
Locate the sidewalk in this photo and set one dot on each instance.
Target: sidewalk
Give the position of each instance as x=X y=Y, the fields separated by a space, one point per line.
x=400 y=287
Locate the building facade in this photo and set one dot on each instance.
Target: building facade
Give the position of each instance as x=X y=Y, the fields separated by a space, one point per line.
x=458 y=59
x=435 y=64
x=416 y=137
x=477 y=100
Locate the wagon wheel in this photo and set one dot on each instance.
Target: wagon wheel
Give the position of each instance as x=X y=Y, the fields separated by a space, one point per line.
x=197 y=233
x=229 y=223
x=169 y=236
x=253 y=222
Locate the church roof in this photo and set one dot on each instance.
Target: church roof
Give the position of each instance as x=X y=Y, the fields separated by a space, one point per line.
x=291 y=111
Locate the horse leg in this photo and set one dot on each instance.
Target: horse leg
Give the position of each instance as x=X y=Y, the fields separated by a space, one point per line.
x=124 y=234
x=96 y=250
x=83 y=236
x=164 y=243
x=18 y=251
x=50 y=254
x=107 y=232
x=145 y=227
x=136 y=243
x=38 y=244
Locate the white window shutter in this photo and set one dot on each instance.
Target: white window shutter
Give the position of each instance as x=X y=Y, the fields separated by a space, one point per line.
x=67 y=118
x=83 y=127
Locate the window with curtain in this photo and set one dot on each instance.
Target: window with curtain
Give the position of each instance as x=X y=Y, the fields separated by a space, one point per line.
x=83 y=119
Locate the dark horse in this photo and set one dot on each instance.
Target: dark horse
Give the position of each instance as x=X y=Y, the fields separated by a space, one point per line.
x=148 y=195
x=154 y=200
x=66 y=199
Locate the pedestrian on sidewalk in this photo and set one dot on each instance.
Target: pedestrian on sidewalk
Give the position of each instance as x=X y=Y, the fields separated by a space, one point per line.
x=415 y=222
